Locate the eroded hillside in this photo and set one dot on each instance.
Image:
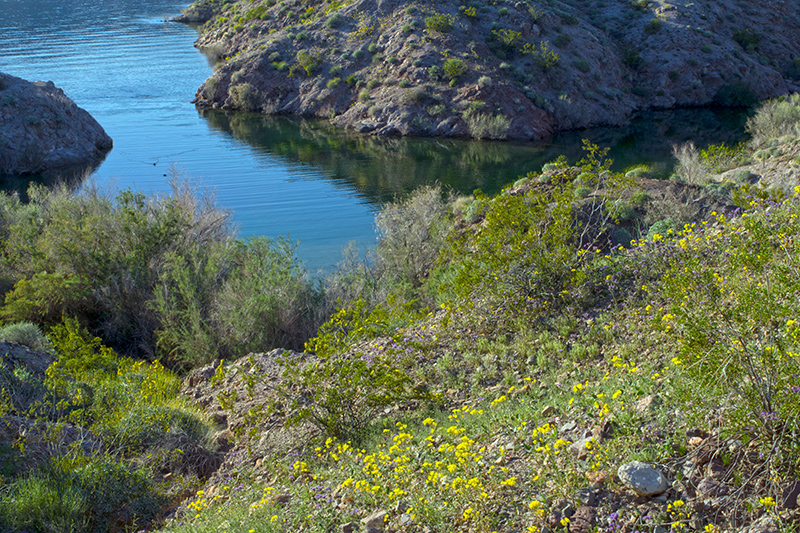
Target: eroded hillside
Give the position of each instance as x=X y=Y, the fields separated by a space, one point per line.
x=517 y=70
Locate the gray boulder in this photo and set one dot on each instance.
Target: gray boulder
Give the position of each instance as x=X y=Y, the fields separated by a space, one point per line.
x=41 y=129
x=642 y=478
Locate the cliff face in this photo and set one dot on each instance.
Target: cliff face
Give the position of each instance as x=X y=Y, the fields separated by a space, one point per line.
x=505 y=69
x=42 y=129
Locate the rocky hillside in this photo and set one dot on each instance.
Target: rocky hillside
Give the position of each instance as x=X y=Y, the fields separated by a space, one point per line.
x=505 y=69
x=42 y=129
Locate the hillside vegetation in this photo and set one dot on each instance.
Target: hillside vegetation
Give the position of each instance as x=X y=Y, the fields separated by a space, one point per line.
x=500 y=364
x=502 y=69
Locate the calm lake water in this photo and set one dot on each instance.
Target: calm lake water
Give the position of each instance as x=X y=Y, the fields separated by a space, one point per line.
x=136 y=74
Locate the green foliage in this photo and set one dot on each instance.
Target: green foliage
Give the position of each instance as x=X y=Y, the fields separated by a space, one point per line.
x=721 y=157
x=243 y=297
x=454 y=68
x=160 y=275
x=412 y=235
x=78 y=494
x=486 y=125
x=653 y=26
x=529 y=247
x=309 y=61
x=544 y=56
x=342 y=391
x=439 y=22
x=244 y=96
x=735 y=306
x=26 y=333
x=130 y=404
x=504 y=42
x=747 y=39
x=774 y=119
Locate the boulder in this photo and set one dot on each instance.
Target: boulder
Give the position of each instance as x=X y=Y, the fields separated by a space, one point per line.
x=642 y=478
x=41 y=129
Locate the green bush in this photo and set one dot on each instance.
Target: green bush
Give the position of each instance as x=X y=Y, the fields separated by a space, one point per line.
x=342 y=392
x=412 y=235
x=653 y=26
x=151 y=276
x=774 y=119
x=265 y=300
x=529 y=246
x=309 y=61
x=747 y=39
x=244 y=97
x=333 y=21
x=439 y=22
x=545 y=57
x=26 y=333
x=454 y=68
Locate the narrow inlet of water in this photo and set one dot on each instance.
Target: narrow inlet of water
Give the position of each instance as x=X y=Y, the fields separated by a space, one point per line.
x=136 y=74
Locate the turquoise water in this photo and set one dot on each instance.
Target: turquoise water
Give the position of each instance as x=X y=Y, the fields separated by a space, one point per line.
x=136 y=74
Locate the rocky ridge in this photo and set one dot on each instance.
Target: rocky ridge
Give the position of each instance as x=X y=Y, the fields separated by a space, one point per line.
x=42 y=129
x=511 y=69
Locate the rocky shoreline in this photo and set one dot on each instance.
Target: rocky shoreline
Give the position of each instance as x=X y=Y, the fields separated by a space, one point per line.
x=508 y=70
x=42 y=129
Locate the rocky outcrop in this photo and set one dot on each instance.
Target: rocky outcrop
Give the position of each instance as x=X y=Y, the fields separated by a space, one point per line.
x=42 y=129
x=505 y=69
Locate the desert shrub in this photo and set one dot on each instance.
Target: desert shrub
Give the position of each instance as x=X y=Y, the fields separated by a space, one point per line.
x=582 y=192
x=562 y=40
x=545 y=57
x=371 y=84
x=244 y=97
x=734 y=310
x=689 y=167
x=775 y=119
x=98 y=258
x=486 y=126
x=792 y=70
x=403 y=84
x=747 y=39
x=504 y=43
x=653 y=26
x=246 y=296
x=333 y=21
x=149 y=276
x=309 y=61
x=341 y=392
x=434 y=72
x=530 y=245
x=454 y=68
x=333 y=83
x=26 y=333
x=582 y=65
x=721 y=157
x=412 y=235
x=439 y=22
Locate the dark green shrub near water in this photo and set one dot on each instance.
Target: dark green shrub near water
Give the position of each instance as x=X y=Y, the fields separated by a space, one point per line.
x=154 y=277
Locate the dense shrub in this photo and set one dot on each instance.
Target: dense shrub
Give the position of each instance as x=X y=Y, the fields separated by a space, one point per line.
x=774 y=119
x=152 y=276
x=439 y=22
x=454 y=68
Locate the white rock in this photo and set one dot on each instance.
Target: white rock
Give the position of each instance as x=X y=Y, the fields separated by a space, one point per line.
x=642 y=478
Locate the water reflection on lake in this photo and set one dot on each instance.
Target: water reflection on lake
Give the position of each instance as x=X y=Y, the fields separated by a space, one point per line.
x=381 y=169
